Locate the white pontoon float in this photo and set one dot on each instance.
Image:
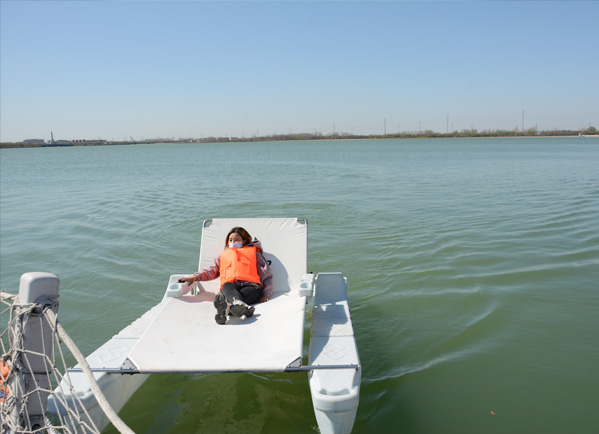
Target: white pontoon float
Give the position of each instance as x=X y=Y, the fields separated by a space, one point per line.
x=180 y=335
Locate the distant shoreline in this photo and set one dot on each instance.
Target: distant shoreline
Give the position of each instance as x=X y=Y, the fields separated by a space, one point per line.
x=299 y=137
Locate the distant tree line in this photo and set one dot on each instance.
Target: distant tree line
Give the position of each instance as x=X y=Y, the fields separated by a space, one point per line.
x=531 y=132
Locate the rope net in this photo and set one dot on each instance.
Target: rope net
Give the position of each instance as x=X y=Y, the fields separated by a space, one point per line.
x=34 y=378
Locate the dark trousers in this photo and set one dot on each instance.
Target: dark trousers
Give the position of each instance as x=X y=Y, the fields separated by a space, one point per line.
x=247 y=292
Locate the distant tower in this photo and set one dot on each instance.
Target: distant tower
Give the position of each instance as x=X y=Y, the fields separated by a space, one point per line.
x=52 y=137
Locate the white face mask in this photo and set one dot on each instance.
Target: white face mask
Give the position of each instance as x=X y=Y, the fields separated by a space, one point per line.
x=236 y=245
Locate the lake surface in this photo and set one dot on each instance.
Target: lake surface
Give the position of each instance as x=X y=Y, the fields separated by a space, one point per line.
x=473 y=270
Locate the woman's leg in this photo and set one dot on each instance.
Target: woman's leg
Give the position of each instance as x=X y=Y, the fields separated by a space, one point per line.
x=239 y=295
x=224 y=299
x=247 y=292
x=250 y=292
x=231 y=291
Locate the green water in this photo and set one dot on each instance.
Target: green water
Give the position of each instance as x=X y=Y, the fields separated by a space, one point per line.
x=473 y=269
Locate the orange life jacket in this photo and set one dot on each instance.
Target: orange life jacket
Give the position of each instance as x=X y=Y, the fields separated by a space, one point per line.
x=239 y=264
x=4 y=371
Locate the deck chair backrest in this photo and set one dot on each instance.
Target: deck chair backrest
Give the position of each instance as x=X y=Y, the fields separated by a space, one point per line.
x=285 y=244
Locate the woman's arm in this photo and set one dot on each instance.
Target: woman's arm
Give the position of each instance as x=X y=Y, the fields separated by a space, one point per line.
x=265 y=276
x=209 y=273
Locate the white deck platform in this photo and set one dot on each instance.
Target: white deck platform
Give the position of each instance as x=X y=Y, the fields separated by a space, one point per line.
x=185 y=338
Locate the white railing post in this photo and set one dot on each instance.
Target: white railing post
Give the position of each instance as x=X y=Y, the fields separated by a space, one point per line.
x=34 y=347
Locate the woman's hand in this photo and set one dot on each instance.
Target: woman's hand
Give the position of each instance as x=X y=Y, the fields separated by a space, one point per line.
x=189 y=280
x=264 y=299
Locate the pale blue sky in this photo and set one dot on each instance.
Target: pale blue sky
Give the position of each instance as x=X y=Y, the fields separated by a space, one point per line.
x=120 y=69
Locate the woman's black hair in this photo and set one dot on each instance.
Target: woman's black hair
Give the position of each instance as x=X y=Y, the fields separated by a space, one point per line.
x=245 y=236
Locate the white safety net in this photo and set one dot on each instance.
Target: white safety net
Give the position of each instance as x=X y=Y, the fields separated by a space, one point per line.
x=35 y=353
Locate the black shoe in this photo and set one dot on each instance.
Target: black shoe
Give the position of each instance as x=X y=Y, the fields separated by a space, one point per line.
x=220 y=302
x=242 y=310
